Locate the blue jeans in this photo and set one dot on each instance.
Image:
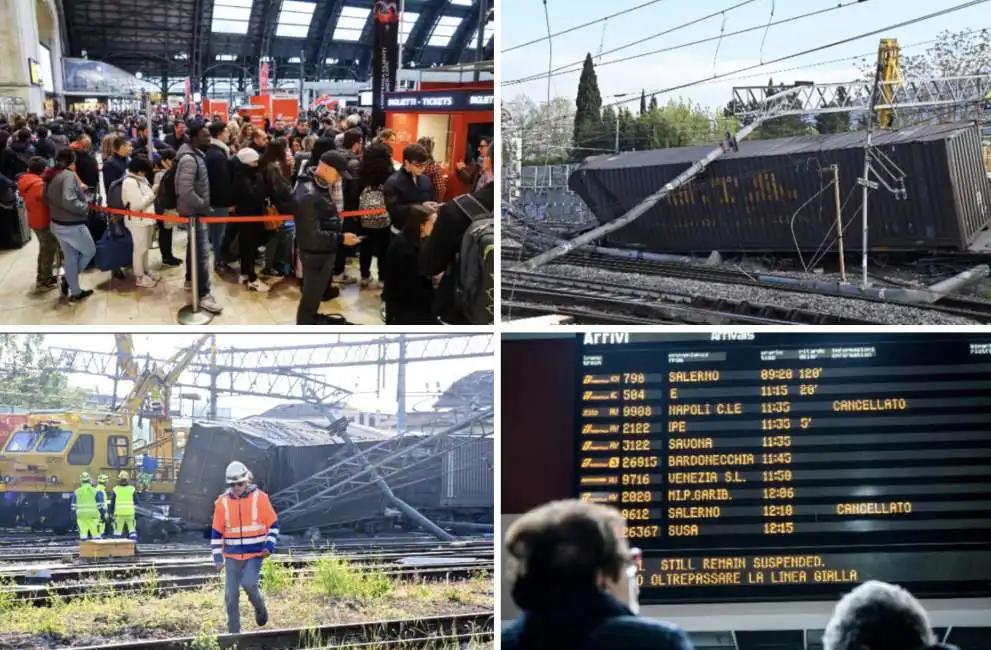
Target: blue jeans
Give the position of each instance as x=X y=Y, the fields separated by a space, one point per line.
x=78 y=248
x=240 y=574
x=216 y=231
x=202 y=259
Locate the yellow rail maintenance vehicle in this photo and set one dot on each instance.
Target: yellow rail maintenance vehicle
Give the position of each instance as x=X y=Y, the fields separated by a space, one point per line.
x=40 y=465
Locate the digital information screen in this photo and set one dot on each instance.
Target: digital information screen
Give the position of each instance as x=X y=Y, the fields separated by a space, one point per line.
x=774 y=466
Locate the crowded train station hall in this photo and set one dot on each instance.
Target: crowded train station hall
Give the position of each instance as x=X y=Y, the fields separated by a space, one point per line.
x=246 y=162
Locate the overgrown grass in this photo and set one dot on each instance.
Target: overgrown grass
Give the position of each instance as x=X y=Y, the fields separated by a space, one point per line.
x=337 y=578
x=276 y=577
x=335 y=592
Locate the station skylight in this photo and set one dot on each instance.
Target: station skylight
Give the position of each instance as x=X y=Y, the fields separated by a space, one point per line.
x=444 y=31
x=406 y=22
x=351 y=23
x=294 y=59
x=295 y=18
x=226 y=57
x=489 y=32
x=463 y=3
x=231 y=16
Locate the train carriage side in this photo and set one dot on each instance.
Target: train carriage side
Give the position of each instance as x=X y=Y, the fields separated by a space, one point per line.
x=774 y=195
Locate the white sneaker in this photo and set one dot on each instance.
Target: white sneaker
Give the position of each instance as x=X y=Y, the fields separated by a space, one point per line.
x=145 y=282
x=208 y=303
x=258 y=286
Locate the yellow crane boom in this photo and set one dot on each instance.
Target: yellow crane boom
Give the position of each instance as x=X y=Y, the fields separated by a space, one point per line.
x=888 y=73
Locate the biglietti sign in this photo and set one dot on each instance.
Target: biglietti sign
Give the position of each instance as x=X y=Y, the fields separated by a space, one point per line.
x=440 y=101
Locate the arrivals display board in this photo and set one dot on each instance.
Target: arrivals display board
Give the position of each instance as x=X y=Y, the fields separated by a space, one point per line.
x=776 y=466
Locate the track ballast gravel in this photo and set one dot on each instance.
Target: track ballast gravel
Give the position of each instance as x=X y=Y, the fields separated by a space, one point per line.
x=879 y=312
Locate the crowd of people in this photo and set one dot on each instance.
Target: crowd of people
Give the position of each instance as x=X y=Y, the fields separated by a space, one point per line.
x=574 y=575
x=304 y=175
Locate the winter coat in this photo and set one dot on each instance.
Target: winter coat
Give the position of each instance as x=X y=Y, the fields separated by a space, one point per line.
x=592 y=620
x=402 y=191
x=318 y=226
x=138 y=196
x=218 y=168
x=14 y=160
x=442 y=249
x=408 y=294
x=114 y=168
x=88 y=169
x=249 y=193
x=32 y=189
x=45 y=148
x=66 y=198
x=192 y=182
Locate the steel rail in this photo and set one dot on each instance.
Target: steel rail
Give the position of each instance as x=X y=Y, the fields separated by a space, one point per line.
x=671 y=305
x=391 y=633
x=43 y=595
x=23 y=575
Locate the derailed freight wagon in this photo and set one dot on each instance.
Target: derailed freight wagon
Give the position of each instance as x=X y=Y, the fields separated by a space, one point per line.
x=771 y=196
x=278 y=453
x=454 y=483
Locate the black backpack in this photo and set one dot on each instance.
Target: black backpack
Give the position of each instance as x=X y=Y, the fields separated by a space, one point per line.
x=167 y=197
x=115 y=194
x=474 y=286
x=166 y=193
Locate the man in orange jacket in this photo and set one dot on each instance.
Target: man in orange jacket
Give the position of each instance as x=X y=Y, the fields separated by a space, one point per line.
x=32 y=189
x=245 y=531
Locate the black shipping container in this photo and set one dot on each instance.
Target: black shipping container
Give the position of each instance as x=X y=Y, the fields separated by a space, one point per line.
x=468 y=474
x=772 y=194
x=278 y=454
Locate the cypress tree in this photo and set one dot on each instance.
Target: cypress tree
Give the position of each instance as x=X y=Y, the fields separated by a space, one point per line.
x=588 y=113
x=653 y=103
x=643 y=102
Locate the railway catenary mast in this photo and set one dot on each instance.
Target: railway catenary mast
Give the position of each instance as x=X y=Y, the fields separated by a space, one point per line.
x=802 y=100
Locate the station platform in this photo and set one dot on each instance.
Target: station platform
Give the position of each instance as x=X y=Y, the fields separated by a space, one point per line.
x=120 y=301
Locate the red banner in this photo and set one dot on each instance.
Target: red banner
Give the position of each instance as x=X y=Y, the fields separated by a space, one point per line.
x=263 y=79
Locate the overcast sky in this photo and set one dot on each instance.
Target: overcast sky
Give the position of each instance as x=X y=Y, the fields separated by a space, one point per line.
x=421 y=377
x=523 y=21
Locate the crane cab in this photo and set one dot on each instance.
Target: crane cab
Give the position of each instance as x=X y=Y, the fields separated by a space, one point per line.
x=40 y=465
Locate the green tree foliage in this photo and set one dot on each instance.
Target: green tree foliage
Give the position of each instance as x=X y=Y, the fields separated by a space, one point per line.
x=643 y=102
x=954 y=54
x=546 y=136
x=30 y=379
x=782 y=127
x=679 y=123
x=835 y=122
x=588 y=135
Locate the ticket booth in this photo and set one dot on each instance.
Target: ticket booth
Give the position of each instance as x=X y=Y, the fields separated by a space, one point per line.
x=456 y=116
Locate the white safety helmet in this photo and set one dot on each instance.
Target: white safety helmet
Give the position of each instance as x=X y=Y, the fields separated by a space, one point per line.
x=237 y=473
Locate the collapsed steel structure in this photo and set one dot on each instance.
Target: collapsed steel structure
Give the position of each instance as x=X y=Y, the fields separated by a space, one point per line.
x=286 y=373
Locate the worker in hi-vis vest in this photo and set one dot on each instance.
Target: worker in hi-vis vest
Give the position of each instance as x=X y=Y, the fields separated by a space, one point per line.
x=89 y=507
x=123 y=507
x=245 y=532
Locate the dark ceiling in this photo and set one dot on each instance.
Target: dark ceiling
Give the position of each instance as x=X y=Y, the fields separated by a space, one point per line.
x=150 y=36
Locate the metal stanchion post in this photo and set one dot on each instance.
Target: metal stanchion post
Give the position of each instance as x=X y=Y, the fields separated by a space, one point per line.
x=192 y=314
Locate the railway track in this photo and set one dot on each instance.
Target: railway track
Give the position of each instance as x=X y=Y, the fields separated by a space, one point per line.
x=651 y=305
x=978 y=311
x=445 y=632
x=42 y=594
x=27 y=574
x=25 y=553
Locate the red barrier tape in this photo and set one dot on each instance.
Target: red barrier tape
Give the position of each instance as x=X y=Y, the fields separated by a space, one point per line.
x=232 y=219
